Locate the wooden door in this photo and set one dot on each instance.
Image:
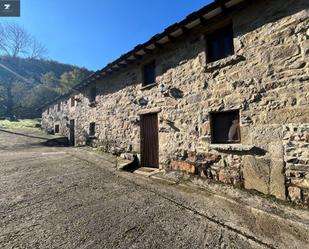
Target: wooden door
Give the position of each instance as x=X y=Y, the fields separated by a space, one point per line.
x=149 y=140
x=72 y=132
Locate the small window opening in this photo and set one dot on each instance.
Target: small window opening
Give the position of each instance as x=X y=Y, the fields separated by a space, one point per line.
x=149 y=73
x=92 y=129
x=56 y=128
x=225 y=127
x=72 y=101
x=59 y=106
x=93 y=94
x=220 y=44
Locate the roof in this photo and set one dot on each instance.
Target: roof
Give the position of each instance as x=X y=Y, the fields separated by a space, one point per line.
x=170 y=34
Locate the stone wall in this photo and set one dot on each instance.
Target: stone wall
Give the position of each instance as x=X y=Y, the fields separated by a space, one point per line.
x=55 y=117
x=266 y=79
x=296 y=157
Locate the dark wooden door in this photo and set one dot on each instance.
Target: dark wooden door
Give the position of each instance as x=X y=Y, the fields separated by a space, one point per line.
x=72 y=132
x=149 y=140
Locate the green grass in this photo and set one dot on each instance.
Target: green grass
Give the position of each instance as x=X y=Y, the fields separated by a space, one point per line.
x=21 y=124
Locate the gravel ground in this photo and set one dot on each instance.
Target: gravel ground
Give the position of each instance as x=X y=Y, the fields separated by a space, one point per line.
x=52 y=199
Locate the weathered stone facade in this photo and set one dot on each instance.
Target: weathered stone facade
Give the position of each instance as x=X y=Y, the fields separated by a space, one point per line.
x=267 y=80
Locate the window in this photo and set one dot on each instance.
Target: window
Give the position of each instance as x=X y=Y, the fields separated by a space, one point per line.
x=72 y=101
x=225 y=127
x=149 y=74
x=56 y=128
x=93 y=94
x=59 y=106
x=92 y=129
x=220 y=44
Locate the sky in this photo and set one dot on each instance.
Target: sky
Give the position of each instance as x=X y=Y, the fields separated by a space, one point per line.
x=92 y=33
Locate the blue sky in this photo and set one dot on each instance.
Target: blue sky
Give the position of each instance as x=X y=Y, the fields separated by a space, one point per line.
x=93 y=33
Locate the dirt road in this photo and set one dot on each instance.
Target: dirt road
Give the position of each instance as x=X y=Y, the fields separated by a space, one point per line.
x=66 y=198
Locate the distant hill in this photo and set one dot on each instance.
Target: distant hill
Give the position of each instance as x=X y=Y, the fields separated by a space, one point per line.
x=35 y=82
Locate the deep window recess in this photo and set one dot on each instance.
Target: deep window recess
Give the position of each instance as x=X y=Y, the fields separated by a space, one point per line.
x=225 y=127
x=72 y=101
x=56 y=128
x=220 y=44
x=59 y=107
x=149 y=74
x=92 y=129
x=93 y=94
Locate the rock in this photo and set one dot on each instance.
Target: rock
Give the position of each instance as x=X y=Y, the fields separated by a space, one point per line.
x=245 y=120
x=176 y=93
x=205 y=129
x=277 y=180
x=302 y=183
x=256 y=173
x=191 y=156
x=305 y=47
x=294 y=194
x=134 y=119
x=307 y=137
x=142 y=101
x=208 y=157
x=280 y=53
x=183 y=166
x=127 y=156
x=224 y=176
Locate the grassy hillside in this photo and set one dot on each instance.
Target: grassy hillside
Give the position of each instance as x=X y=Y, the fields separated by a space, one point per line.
x=21 y=124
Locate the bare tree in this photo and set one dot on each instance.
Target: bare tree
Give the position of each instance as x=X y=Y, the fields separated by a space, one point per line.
x=37 y=49
x=16 y=42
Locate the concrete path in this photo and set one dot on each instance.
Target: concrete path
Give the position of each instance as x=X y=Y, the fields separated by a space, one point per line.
x=74 y=198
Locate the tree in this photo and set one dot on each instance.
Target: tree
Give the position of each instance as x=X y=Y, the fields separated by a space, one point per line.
x=15 y=42
x=2 y=101
x=50 y=79
x=71 y=78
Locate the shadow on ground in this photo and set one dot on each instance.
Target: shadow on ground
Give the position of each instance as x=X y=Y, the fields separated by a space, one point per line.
x=22 y=134
x=30 y=140
x=131 y=167
x=57 y=142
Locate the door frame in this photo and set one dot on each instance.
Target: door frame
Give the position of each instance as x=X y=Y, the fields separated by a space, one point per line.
x=72 y=130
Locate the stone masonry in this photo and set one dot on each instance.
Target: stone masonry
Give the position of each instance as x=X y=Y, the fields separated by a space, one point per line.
x=266 y=79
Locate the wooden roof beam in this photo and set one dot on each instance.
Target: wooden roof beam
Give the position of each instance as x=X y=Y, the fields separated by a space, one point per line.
x=114 y=69
x=148 y=51
x=222 y=6
x=128 y=61
x=123 y=65
x=171 y=38
x=203 y=21
x=158 y=45
x=137 y=56
x=185 y=30
x=109 y=71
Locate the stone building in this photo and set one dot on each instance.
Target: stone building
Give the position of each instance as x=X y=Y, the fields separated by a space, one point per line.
x=223 y=94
